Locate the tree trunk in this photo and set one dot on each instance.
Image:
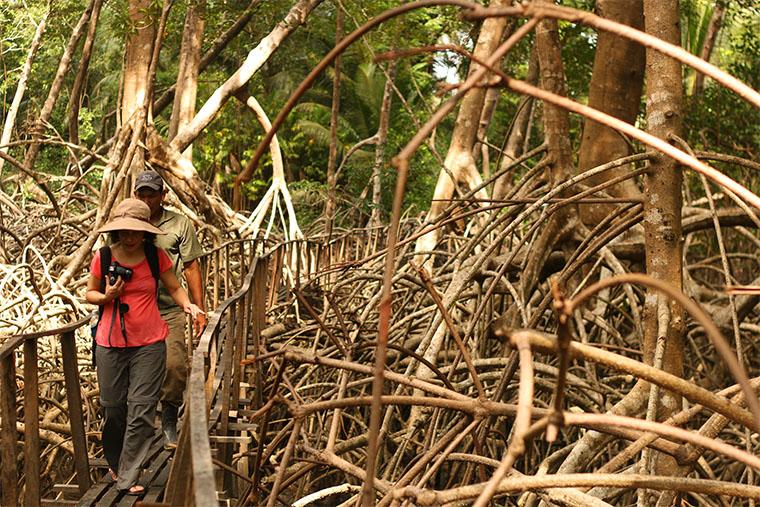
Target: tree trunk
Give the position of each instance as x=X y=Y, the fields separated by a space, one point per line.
x=662 y=214
x=615 y=89
x=559 y=153
x=556 y=119
x=332 y=158
x=76 y=89
x=139 y=49
x=215 y=49
x=459 y=164
x=712 y=35
x=10 y=119
x=382 y=138
x=480 y=151
x=55 y=89
x=187 y=75
x=518 y=134
x=277 y=189
x=256 y=58
x=182 y=177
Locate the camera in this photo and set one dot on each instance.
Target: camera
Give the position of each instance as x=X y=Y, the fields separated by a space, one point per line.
x=115 y=271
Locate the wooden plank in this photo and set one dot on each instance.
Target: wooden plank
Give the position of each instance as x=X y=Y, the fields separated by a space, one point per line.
x=99 y=488
x=239 y=339
x=112 y=495
x=93 y=494
x=8 y=430
x=76 y=417
x=148 y=476
x=157 y=487
x=179 y=472
x=58 y=503
x=258 y=323
x=98 y=463
x=229 y=439
x=72 y=489
x=204 y=491
x=244 y=426
x=31 y=426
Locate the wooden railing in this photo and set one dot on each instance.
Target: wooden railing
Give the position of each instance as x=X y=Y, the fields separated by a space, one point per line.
x=216 y=368
x=232 y=335
x=220 y=265
x=223 y=267
x=8 y=387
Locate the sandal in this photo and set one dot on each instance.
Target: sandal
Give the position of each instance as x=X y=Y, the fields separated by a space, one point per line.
x=135 y=490
x=112 y=475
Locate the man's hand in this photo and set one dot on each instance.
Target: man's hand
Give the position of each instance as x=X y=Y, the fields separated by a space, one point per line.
x=199 y=324
x=193 y=310
x=192 y=271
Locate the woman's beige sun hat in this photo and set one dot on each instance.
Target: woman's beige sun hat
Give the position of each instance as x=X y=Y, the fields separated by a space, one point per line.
x=131 y=215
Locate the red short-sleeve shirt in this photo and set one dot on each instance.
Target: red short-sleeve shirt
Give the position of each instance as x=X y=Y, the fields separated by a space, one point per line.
x=142 y=321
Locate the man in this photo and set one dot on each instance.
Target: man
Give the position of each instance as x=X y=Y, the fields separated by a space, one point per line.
x=182 y=245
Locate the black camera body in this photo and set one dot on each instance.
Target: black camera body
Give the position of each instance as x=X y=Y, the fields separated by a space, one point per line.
x=115 y=271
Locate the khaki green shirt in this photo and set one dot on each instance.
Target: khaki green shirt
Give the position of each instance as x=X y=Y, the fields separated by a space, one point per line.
x=182 y=246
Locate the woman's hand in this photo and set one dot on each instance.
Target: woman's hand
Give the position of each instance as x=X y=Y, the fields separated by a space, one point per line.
x=194 y=311
x=113 y=291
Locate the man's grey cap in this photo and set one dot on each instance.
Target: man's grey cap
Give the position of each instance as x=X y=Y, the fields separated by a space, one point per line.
x=149 y=179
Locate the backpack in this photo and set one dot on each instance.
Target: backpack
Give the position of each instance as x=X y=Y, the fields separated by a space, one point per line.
x=151 y=254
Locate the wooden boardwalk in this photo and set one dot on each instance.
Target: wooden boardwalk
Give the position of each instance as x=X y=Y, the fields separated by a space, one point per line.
x=224 y=391
x=155 y=474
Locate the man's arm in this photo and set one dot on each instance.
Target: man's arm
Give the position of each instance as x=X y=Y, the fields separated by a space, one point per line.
x=192 y=272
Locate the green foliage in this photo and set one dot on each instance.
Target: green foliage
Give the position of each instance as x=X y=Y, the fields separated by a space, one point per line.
x=717 y=120
x=308 y=197
x=86 y=122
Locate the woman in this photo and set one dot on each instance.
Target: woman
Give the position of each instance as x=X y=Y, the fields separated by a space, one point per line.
x=131 y=350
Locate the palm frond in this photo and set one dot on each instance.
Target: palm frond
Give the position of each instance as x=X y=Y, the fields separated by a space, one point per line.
x=314 y=131
x=313 y=110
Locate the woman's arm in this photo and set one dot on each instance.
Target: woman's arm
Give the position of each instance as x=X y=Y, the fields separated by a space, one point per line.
x=178 y=294
x=95 y=297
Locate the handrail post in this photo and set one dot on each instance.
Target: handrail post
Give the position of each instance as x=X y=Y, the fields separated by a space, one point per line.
x=8 y=431
x=275 y=261
x=76 y=418
x=31 y=426
x=257 y=314
x=228 y=397
x=227 y=275
x=217 y=267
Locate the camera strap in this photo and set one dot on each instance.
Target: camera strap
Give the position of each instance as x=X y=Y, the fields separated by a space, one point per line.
x=122 y=310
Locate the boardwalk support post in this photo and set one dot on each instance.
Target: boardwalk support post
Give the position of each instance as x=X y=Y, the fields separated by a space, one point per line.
x=8 y=431
x=76 y=417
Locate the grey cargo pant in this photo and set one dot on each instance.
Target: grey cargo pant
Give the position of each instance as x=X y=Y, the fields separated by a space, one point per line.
x=130 y=382
x=173 y=389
